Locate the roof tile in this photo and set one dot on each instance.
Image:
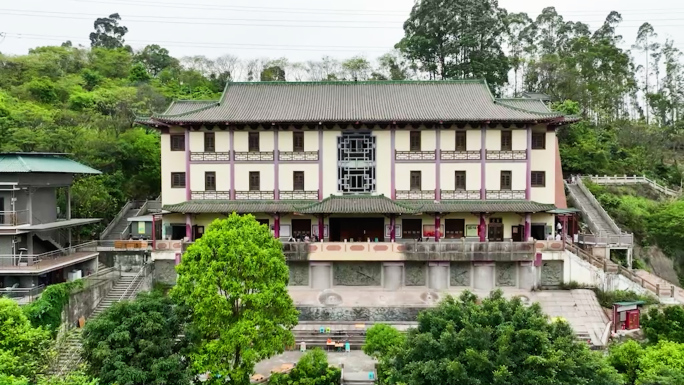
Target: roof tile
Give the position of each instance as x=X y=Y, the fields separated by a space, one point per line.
x=405 y=101
x=28 y=162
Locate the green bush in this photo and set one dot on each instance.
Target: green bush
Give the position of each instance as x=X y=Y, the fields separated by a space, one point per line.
x=312 y=369
x=46 y=311
x=608 y=298
x=43 y=90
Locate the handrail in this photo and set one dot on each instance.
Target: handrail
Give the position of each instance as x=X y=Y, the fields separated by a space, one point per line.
x=142 y=209
x=598 y=206
x=625 y=179
x=127 y=292
x=116 y=219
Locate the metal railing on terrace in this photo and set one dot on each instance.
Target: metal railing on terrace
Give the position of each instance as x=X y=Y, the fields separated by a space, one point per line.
x=14 y=218
x=36 y=261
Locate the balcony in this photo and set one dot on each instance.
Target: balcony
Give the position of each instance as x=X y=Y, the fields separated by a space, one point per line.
x=209 y=195
x=507 y=155
x=298 y=156
x=415 y=194
x=254 y=156
x=298 y=195
x=210 y=156
x=46 y=262
x=410 y=251
x=460 y=155
x=256 y=195
x=506 y=195
x=14 y=218
x=460 y=194
x=414 y=155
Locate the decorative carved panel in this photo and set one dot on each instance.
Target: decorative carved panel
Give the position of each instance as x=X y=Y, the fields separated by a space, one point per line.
x=357 y=274
x=299 y=273
x=460 y=274
x=552 y=273
x=414 y=274
x=506 y=274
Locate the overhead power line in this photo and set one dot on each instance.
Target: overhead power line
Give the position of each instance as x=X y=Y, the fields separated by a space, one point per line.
x=265 y=22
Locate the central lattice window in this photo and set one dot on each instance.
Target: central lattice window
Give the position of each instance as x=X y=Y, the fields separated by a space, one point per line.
x=356 y=163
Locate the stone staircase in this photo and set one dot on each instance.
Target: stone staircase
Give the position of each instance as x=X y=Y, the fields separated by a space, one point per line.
x=592 y=214
x=120 y=226
x=69 y=352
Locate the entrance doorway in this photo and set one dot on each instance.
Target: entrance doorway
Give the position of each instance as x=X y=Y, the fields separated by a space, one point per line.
x=454 y=228
x=411 y=228
x=496 y=230
x=357 y=229
x=539 y=232
x=2 y=210
x=177 y=231
x=518 y=233
x=301 y=228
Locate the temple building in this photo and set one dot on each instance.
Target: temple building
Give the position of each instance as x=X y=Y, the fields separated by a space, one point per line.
x=394 y=184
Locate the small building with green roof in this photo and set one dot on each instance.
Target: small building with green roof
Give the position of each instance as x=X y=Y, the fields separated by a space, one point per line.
x=36 y=245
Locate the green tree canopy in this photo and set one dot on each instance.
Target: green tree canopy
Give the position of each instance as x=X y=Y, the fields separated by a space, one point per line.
x=499 y=341
x=311 y=369
x=23 y=348
x=234 y=282
x=136 y=343
x=666 y=324
x=108 y=33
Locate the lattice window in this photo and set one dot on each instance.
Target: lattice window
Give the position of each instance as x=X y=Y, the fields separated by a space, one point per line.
x=356 y=163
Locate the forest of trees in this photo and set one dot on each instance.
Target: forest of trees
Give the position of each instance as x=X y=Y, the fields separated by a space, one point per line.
x=83 y=100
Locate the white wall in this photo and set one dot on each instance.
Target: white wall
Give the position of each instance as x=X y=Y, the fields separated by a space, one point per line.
x=172 y=161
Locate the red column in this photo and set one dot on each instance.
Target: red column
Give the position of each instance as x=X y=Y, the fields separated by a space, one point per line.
x=483 y=228
x=564 y=231
x=392 y=227
x=154 y=232
x=276 y=226
x=188 y=227
x=437 y=227
x=321 y=233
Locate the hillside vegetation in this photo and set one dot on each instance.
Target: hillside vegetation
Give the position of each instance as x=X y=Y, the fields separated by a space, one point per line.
x=656 y=223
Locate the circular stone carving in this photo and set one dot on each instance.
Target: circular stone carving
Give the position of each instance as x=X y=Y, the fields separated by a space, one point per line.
x=430 y=297
x=329 y=298
x=524 y=299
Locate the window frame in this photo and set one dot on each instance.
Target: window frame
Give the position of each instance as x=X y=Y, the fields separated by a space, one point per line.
x=416 y=176
x=506 y=140
x=181 y=176
x=208 y=176
x=415 y=141
x=538 y=174
x=460 y=174
x=536 y=138
x=464 y=137
x=252 y=176
x=177 y=142
x=506 y=174
x=211 y=138
x=253 y=141
x=298 y=175
x=298 y=141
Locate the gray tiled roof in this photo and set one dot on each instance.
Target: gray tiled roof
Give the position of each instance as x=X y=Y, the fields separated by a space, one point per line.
x=42 y=162
x=404 y=101
x=185 y=106
x=362 y=204
x=532 y=105
x=476 y=206
x=237 y=206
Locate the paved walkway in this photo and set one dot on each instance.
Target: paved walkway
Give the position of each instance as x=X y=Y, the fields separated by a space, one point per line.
x=579 y=307
x=665 y=285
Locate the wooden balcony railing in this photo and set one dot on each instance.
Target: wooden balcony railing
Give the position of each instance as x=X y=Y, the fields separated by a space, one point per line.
x=210 y=156
x=460 y=194
x=298 y=195
x=298 y=156
x=506 y=155
x=505 y=194
x=209 y=195
x=260 y=156
x=415 y=194
x=414 y=155
x=460 y=155
x=255 y=195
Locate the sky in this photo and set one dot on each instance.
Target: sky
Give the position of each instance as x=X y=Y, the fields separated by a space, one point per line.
x=300 y=30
